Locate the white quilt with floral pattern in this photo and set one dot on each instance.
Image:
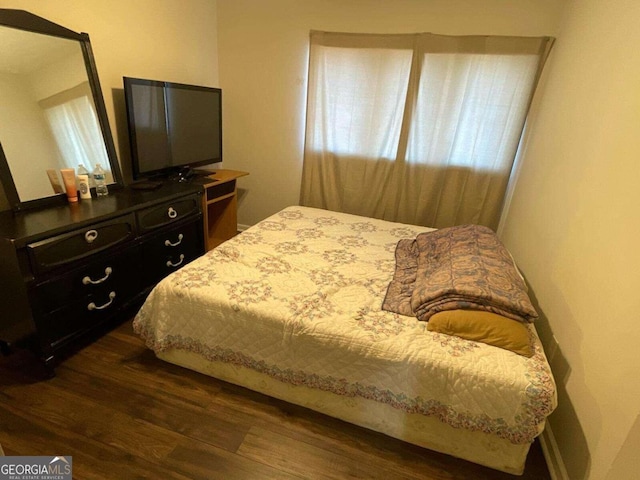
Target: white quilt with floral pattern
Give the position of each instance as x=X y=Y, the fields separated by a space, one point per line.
x=298 y=297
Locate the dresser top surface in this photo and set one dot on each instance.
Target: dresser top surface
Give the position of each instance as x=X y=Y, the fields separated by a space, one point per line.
x=31 y=225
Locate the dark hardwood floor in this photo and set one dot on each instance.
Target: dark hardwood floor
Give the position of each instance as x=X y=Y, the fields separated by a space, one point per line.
x=121 y=413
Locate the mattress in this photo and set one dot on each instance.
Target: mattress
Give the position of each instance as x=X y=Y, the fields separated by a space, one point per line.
x=292 y=307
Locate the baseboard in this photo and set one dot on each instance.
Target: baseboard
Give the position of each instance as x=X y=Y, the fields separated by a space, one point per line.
x=242 y=228
x=552 y=456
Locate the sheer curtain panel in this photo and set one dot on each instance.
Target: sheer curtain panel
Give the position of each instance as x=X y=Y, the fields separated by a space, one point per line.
x=75 y=127
x=417 y=128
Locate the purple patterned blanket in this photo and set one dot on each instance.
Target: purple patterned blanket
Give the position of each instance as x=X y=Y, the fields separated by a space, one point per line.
x=463 y=267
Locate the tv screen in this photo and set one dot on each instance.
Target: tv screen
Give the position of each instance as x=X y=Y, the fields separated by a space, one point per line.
x=172 y=126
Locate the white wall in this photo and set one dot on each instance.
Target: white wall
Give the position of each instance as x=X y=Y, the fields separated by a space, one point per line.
x=574 y=228
x=263 y=54
x=157 y=39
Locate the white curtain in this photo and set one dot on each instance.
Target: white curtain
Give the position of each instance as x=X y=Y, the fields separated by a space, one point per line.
x=417 y=128
x=74 y=123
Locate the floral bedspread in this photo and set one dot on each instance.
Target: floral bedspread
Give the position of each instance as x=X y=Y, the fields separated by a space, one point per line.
x=298 y=297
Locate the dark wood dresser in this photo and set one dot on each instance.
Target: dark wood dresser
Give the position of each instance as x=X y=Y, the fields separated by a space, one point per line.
x=69 y=271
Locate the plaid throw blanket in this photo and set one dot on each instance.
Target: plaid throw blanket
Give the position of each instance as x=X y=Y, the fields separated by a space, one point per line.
x=463 y=267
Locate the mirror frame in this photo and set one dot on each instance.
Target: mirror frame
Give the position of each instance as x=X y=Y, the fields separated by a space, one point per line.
x=23 y=20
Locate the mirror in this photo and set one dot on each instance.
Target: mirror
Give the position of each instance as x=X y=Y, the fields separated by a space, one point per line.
x=52 y=113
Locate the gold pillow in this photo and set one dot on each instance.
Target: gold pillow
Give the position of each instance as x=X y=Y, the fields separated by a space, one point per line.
x=485 y=327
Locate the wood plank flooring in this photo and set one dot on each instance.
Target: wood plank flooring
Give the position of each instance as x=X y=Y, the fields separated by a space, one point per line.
x=121 y=413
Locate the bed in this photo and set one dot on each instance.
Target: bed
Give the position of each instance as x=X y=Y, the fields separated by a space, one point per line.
x=291 y=308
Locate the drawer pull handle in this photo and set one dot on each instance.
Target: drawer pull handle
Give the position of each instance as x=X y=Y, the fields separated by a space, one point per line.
x=87 y=280
x=172 y=213
x=91 y=235
x=92 y=306
x=167 y=243
x=177 y=264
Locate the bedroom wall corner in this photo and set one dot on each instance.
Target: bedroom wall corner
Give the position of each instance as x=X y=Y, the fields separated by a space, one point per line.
x=552 y=455
x=571 y=431
x=573 y=226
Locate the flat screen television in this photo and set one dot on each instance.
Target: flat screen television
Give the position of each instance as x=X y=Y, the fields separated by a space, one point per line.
x=173 y=127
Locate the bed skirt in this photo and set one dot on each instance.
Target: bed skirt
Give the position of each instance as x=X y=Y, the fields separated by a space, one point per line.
x=474 y=446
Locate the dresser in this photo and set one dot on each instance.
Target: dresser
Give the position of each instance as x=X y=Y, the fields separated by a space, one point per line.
x=68 y=272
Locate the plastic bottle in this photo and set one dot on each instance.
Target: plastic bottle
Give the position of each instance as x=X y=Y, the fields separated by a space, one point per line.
x=99 y=177
x=84 y=171
x=83 y=186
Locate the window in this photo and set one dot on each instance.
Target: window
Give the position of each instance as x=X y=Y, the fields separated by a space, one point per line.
x=416 y=128
x=75 y=127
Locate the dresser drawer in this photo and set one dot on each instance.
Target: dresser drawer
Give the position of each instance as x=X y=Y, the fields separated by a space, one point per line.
x=169 y=212
x=120 y=273
x=79 y=244
x=169 y=251
x=81 y=314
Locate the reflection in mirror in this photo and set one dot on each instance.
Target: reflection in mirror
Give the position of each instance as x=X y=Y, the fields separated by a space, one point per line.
x=48 y=118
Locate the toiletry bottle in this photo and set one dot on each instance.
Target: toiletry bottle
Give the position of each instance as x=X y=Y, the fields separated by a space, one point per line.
x=83 y=171
x=99 y=178
x=69 y=179
x=83 y=186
